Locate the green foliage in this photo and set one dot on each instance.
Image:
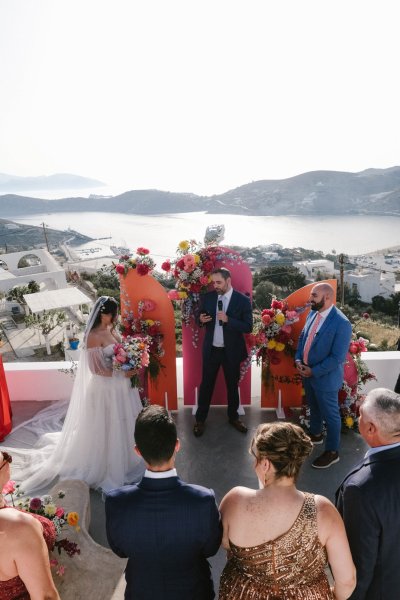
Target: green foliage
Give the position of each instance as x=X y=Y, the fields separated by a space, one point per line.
x=289 y=278
x=17 y=293
x=388 y=306
x=263 y=293
x=45 y=321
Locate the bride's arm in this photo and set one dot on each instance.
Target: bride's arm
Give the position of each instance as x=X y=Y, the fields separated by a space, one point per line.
x=95 y=357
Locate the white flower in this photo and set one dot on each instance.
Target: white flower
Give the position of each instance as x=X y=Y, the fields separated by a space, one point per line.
x=50 y=510
x=46 y=499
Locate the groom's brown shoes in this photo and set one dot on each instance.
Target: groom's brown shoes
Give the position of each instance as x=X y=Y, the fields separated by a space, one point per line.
x=238 y=425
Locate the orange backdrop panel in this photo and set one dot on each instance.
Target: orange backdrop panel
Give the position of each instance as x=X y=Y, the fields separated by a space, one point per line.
x=134 y=288
x=5 y=406
x=284 y=377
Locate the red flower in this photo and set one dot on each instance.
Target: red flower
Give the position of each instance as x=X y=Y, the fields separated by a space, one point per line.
x=120 y=269
x=276 y=304
x=268 y=311
x=208 y=266
x=366 y=315
x=142 y=250
x=142 y=269
x=180 y=264
x=342 y=395
x=166 y=266
x=354 y=348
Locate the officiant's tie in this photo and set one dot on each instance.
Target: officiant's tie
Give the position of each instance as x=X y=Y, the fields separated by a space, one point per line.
x=310 y=337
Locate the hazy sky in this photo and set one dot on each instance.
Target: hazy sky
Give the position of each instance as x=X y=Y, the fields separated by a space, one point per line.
x=198 y=95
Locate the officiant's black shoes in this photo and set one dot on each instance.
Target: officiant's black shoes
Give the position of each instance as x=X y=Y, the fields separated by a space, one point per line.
x=238 y=425
x=198 y=428
x=328 y=458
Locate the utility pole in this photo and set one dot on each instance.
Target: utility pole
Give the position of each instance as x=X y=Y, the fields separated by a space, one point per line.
x=341 y=263
x=45 y=237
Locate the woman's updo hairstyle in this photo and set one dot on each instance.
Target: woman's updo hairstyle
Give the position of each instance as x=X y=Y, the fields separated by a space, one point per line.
x=108 y=306
x=286 y=445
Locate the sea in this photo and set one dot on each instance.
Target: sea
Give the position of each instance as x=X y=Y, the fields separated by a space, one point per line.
x=352 y=235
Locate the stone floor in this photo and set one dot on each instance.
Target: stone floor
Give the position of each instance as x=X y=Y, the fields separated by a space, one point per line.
x=220 y=460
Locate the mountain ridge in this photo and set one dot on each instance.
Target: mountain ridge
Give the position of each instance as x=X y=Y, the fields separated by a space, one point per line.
x=368 y=192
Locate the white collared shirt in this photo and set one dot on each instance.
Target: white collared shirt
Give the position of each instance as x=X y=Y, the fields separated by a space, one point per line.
x=160 y=474
x=218 y=339
x=323 y=316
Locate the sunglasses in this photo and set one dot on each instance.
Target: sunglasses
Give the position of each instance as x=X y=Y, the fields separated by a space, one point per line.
x=7 y=458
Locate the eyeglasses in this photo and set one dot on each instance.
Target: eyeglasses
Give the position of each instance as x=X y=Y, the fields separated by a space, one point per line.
x=7 y=458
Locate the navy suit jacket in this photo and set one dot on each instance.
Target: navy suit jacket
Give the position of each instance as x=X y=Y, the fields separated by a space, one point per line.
x=369 y=502
x=240 y=321
x=167 y=529
x=328 y=350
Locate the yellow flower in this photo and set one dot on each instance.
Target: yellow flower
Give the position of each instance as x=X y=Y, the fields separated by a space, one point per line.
x=182 y=295
x=271 y=344
x=50 y=510
x=149 y=322
x=183 y=245
x=132 y=262
x=279 y=346
x=279 y=318
x=73 y=519
x=196 y=258
x=349 y=421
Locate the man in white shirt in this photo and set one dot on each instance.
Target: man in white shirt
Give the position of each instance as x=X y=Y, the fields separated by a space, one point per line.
x=369 y=500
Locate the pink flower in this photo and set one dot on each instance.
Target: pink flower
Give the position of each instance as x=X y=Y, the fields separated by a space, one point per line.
x=354 y=348
x=145 y=359
x=53 y=562
x=266 y=319
x=173 y=295
x=60 y=512
x=120 y=269
x=149 y=305
x=366 y=315
x=166 y=266
x=9 y=487
x=35 y=504
x=291 y=315
x=286 y=328
x=142 y=250
x=203 y=280
x=189 y=263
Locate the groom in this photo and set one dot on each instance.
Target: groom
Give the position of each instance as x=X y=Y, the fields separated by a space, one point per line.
x=166 y=528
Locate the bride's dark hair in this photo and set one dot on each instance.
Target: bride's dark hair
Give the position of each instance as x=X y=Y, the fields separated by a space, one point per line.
x=108 y=307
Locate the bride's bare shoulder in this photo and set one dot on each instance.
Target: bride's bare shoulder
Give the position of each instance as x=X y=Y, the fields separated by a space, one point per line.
x=94 y=340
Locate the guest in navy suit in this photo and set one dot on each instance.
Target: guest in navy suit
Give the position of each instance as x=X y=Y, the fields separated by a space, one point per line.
x=320 y=357
x=227 y=315
x=166 y=528
x=369 y=500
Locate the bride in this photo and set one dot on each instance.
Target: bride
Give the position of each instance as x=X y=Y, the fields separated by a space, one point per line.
x=97 y=437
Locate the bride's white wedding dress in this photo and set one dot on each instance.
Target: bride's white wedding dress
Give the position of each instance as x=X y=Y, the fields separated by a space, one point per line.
x=95 y=443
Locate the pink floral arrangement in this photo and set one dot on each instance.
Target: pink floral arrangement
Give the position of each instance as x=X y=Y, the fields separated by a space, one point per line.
x=142 y=262
x=46 y=507
x=132 y=354
x=272 y=332
x=151 y=329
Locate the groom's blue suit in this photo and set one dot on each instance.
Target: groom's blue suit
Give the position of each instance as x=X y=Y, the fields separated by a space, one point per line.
x=326 y=359
x=167 y=529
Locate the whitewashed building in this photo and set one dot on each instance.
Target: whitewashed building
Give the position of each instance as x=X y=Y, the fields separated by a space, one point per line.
x=43 y=269
x=312 y=268
x=369 y=283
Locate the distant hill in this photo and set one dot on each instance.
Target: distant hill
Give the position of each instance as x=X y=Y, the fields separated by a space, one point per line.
x=59 y=181
x=370 y=192
x=16 y=237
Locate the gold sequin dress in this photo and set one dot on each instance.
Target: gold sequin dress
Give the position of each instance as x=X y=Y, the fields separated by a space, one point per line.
x=291 y=567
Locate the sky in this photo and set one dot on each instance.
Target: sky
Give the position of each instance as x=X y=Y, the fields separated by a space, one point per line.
x=198 y=96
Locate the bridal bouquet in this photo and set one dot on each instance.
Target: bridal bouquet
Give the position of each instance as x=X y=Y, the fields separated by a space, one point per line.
x=46 y=507
x=132 y=354
x=142 y=262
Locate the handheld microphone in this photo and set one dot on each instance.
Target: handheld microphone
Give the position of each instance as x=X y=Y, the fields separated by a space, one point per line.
x=220 y=307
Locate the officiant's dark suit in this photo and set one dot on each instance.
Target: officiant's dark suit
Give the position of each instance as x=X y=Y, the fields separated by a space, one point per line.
x=167 y=528
x=226 y=315
x=369 y=502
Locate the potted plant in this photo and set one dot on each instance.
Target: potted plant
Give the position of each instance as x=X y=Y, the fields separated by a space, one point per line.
x=73 y=343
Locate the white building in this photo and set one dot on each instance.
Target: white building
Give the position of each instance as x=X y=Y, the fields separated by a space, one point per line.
x=46 y=271
x=312 y=268
x=369 y=283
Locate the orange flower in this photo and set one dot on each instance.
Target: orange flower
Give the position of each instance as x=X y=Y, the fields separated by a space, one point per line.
x=73 y=519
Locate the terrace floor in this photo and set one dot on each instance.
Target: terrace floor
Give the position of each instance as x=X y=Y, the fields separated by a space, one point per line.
x=220 y=460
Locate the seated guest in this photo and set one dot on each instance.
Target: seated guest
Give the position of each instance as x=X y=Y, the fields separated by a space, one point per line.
x=279 y=538
x=369 y=500
x=24 y=557
x=166 y=528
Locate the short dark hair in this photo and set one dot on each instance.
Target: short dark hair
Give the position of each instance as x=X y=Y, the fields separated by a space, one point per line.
x=155 y=435
x=223 y=271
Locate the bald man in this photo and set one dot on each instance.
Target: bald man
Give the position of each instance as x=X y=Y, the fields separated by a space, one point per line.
x=320 y=358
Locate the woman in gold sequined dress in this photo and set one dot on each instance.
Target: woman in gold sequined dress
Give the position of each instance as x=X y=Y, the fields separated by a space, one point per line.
x=278 y=538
